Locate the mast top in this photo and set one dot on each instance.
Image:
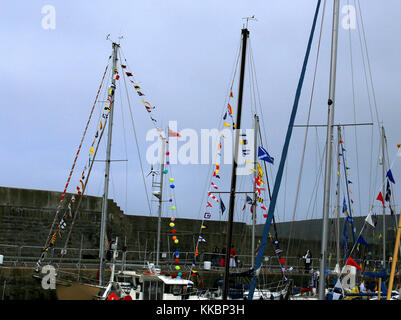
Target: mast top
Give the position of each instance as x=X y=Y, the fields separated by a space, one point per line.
x=114 y=42
x=247 y=20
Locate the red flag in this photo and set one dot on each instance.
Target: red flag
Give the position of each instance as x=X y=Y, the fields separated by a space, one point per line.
x=231 y=94
x=123 y=66
x=208 y=204
x=172 y=133
x=352 y=262
x=281 y=260
x=265 y=216
x=380 y=198
x=129 y=74
x=230 y=110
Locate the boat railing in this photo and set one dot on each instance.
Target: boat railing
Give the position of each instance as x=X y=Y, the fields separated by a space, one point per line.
x=87 y=258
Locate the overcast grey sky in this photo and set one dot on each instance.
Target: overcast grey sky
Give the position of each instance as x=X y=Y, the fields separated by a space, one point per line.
x=183 y=53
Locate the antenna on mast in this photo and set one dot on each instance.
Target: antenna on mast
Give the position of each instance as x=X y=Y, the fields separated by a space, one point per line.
x=249 y=18
x=119 y=38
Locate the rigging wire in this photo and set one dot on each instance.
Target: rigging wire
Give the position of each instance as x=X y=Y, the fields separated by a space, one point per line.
x=136 y=139
x=219 y=122
x=307 y=127
x=126 y=151
x=354 y=111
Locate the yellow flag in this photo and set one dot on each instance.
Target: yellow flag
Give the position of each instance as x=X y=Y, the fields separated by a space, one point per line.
x=100 y=125
x=92 y=151
x=260 y=170
x=226 y=124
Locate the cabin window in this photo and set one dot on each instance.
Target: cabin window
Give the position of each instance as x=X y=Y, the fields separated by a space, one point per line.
x=173 y=289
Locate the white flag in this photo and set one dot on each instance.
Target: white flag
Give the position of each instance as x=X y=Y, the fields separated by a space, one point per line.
x=369 y=220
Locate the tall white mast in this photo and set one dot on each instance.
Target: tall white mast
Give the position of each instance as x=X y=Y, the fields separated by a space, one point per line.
x=329 y=150
x=255 y=157
x=384 y=195
x=160 y=196
x=107 y=170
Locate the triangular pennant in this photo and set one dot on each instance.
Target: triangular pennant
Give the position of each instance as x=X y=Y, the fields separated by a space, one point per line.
x=352 y=262
x=362 y=241
x=369 y=220
x=380 y=198
x=389 y=175
x=222 y=206
x=172 y=133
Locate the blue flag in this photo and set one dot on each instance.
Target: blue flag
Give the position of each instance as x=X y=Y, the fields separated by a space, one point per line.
x=362 y=241
x=222 y=206
x=264 y=155
x=344 y=206
x=389 y=175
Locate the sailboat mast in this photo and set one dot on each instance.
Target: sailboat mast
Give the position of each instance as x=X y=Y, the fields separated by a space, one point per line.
x=338 y=207
x=162 y=161
x=383 y=193
x=255 y=157
x=107 y=170
x=329 y=150
x=245 y=35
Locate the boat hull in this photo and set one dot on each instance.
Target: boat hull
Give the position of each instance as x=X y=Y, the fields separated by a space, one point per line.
x=76 y=291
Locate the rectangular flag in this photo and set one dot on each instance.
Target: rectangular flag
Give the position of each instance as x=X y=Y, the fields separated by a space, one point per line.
x=207 y=215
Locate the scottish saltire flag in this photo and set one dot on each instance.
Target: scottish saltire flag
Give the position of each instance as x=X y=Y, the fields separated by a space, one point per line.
x=264 y=155
x=201 y=239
